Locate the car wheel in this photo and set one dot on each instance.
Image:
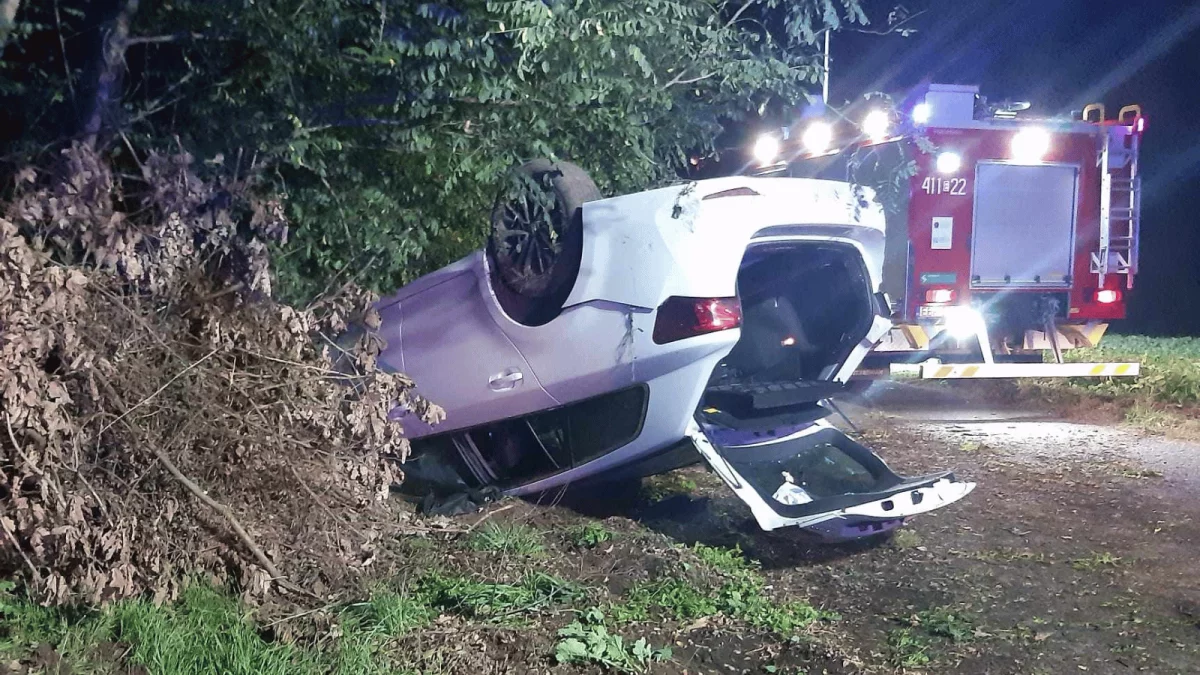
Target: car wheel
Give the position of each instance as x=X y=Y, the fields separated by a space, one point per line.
x=536 y=242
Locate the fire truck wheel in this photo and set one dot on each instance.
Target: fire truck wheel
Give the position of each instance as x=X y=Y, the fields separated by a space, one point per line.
x=536 y=243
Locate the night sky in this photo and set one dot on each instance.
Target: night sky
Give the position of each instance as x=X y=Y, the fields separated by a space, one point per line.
x=1061 y=55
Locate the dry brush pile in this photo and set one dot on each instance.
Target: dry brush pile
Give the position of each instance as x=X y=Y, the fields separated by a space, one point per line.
x=160 y=417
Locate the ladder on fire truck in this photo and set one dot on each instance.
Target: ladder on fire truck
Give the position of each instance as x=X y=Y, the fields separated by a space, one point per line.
x=1120 y=201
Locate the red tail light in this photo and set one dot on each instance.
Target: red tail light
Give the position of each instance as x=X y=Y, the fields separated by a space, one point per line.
x=1107 y=296
x=680 y=318
x=939 y=295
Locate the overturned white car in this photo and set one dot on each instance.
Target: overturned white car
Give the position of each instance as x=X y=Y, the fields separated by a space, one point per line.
x=608 y=339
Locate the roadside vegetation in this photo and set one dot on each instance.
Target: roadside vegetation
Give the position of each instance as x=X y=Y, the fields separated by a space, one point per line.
x=1166 y=397
x=208 y=629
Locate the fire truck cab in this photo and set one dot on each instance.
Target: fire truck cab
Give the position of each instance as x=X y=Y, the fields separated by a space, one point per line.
x=1017 y=237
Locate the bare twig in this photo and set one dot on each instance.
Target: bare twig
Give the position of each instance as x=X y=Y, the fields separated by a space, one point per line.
x=738 y=14
x=691 y=80
x=17 y=545
x=62 y=45
x=173 y=37
x=893 y=28
x=225 y=511
x=489 y=514
x=17 y=446
x=158 y=391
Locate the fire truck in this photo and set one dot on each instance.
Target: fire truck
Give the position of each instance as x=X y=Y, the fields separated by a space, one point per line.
x=1012 y=238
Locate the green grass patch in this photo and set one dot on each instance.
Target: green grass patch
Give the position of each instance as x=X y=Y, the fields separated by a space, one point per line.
x=917 y=642
x=590 y=535
x=740 y=594
x=498 y=602
x=657 y=488
x=588 y=640
x=509 y=538
x=205 y=631
x=208 y=631
x=1170 y=368
x=1096 y=561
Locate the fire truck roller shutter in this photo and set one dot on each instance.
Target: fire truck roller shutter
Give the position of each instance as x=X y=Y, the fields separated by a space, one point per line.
x=1024 y=225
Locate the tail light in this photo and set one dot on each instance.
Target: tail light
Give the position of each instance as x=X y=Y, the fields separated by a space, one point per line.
x=1107 y=296
x=939 y=295
x=680 y=318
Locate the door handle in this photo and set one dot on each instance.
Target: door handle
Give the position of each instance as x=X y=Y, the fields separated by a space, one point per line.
x=506 y=380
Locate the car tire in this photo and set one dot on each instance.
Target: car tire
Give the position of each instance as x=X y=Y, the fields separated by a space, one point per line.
x=536 y=243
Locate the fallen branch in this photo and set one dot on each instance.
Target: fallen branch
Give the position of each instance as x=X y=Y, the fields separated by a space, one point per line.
x=37 y=578
x=223 y=510
x=157 y=391
x=196 y=490
x=489 y=514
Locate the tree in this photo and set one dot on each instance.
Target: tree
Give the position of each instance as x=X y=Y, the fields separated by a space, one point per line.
x=389 y=125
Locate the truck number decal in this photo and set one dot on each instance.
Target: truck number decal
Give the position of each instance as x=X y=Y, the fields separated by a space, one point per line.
x=945 y=186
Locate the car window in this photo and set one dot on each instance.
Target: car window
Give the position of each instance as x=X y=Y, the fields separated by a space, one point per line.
x=602 y=424
x=555 y=440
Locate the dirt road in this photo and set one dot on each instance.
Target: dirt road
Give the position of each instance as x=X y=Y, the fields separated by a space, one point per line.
x=1079 y=551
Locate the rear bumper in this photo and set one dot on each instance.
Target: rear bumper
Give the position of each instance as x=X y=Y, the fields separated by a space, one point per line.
x=916 y=337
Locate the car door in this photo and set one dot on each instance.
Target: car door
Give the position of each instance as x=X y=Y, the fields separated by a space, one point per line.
x=461 y=360
x=586 y=351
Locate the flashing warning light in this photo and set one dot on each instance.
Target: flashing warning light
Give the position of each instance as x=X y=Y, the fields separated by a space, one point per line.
x=680 y=318
x=921 y=113
x=766 y=149
x=875 y=125
x=1030 y=145
x=939 y=295
x=949 y=162
x=817 y=137
x=1107 y=296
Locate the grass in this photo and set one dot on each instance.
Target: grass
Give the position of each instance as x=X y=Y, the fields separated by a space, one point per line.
x=590 y=535
x=916 y=644
x=1096 y=561
x=208 y=630
x=662 y=486
x=205 y=631
x=509 y=538
x=908 y=648
x=1170 y=368
x=741 y=594
x=498 y=602
x=906 y=538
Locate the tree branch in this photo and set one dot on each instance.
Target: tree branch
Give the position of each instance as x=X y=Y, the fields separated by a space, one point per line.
x=738 y=14
x=8 y=15
x=110 y=71
x=175 y=37
x=893 y=28
x=691 y=80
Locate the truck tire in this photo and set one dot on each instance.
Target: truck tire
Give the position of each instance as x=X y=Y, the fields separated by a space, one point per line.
x=536 y=242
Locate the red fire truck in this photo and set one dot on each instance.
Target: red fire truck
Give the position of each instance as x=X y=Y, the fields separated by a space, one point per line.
x=1016 y=236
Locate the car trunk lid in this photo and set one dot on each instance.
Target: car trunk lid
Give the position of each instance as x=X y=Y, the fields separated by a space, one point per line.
x=818 y=478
